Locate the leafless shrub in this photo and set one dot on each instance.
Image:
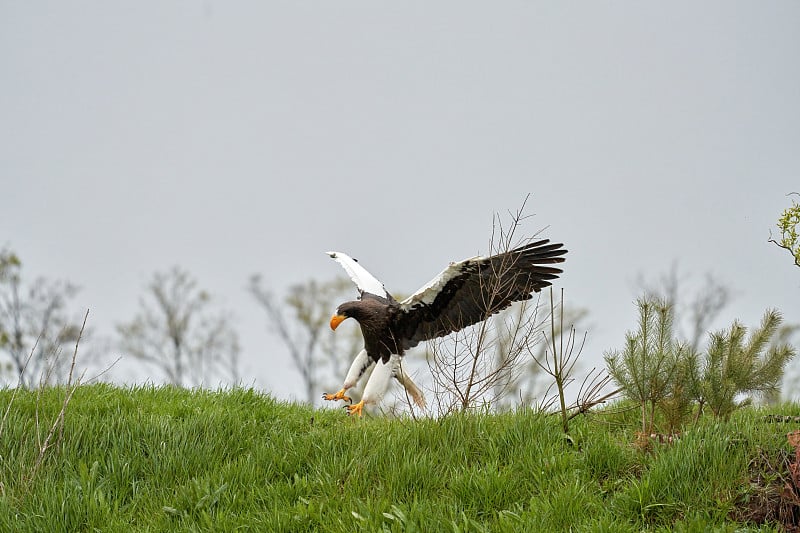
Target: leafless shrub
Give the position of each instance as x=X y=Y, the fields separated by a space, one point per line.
x=558 y=361
x=562 y=356
x=533 y=380
x=478 y=366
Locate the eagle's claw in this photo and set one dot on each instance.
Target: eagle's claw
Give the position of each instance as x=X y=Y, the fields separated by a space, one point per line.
x=338 y=396
x=355 y=409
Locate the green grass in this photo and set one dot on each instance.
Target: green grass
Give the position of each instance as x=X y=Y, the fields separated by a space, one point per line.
x=166 y=459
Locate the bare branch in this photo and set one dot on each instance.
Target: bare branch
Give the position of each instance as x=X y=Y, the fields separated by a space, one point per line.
x=558 y=361
x=591 y=392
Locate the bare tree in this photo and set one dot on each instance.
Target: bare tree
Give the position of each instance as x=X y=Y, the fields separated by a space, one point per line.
x=300 y=320
x=557 y=358
x=530 y=383
x=480 y=365
x=177 y=330
x=34 y=324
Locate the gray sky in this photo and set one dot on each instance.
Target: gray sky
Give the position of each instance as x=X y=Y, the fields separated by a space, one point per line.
x=239 y=137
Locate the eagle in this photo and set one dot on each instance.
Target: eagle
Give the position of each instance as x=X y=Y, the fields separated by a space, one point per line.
x=463 y=294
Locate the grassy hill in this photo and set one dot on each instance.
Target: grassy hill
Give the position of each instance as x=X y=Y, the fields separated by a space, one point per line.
x=166 y=459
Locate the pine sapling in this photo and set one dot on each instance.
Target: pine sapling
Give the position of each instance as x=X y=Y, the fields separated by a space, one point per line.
x=735 y=365
x=646 y=366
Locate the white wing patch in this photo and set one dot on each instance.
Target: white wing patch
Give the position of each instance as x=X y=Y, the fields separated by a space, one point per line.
x=365 y=281
x=427 y=293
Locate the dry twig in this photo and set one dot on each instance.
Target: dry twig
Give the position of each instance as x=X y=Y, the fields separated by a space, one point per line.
x=58 y=424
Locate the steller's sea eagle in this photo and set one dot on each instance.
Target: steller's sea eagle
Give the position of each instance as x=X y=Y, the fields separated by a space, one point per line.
x=463 y=294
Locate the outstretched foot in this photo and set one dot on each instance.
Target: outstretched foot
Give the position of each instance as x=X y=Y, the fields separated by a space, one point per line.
x=419 y=399
x=355 y=409
x=338 y=396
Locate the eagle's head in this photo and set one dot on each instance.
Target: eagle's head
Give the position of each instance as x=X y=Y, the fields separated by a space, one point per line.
x=343 y=312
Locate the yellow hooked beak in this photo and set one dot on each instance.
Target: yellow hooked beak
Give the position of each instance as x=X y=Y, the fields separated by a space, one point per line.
x=336 y=320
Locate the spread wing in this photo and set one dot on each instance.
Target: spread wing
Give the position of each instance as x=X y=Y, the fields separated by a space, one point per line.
x=469 y=291
x=365 y=281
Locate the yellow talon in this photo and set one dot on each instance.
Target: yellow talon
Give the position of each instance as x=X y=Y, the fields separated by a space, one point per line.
x=338 y=396
x=355 y=409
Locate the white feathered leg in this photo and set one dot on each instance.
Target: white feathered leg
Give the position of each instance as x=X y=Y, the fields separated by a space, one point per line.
x=360 y=365
x=377 y=384
x=379 y=380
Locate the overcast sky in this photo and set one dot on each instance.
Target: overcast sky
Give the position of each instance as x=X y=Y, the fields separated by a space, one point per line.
x=233 y=138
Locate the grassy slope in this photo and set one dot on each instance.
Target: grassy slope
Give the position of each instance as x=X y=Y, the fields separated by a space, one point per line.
x=164 y=459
